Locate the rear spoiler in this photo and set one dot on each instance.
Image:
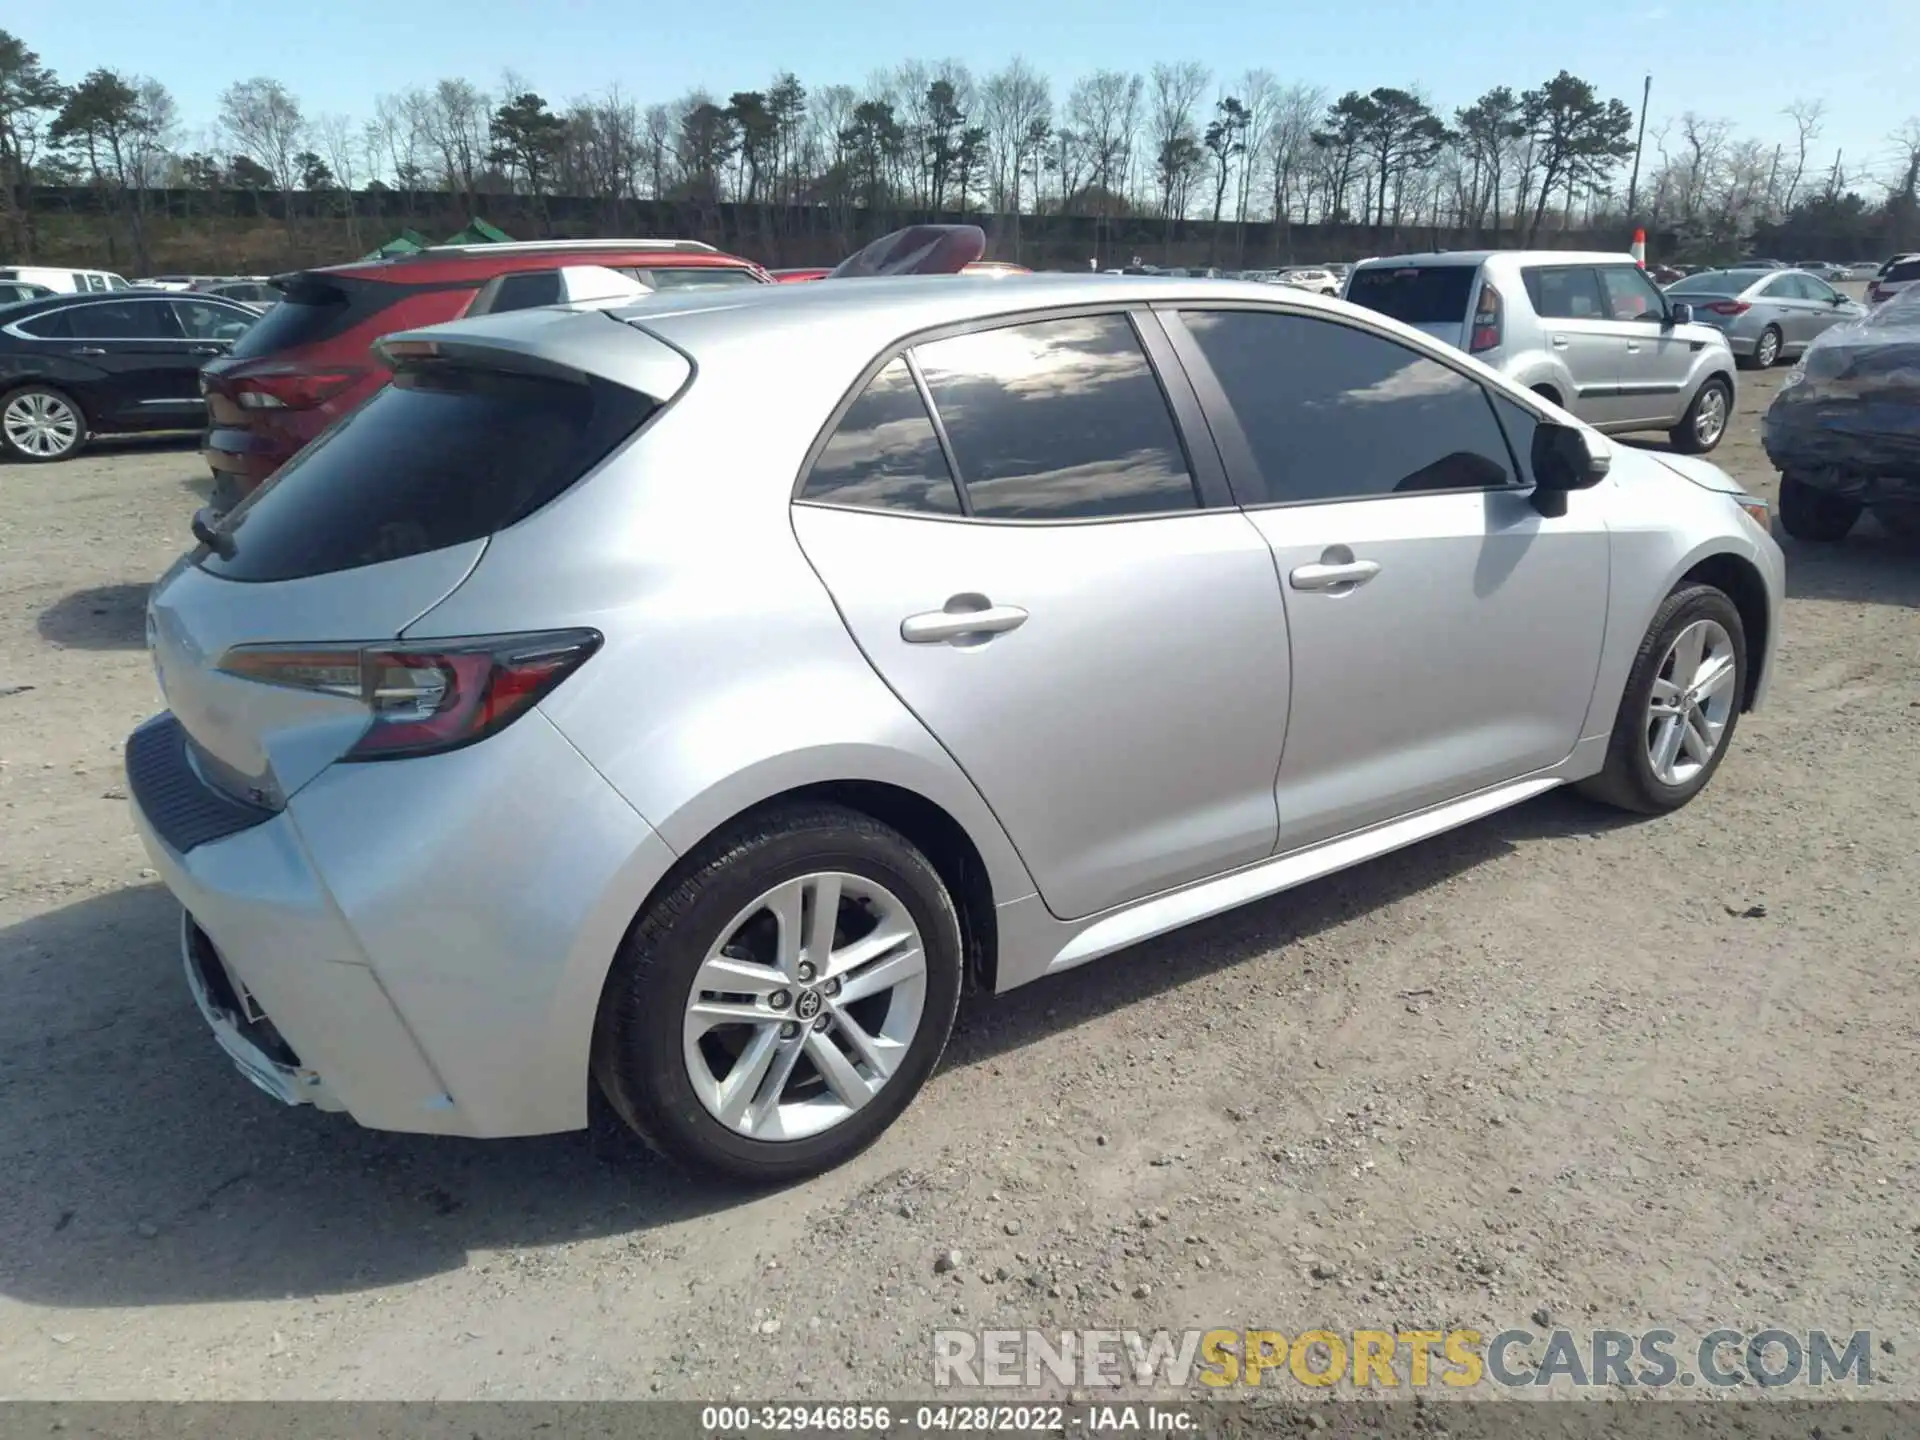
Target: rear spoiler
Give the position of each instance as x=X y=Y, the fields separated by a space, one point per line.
x=566 y=344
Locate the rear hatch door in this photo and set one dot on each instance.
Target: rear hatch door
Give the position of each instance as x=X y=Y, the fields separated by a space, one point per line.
x=1434 y=297
x=378 y=521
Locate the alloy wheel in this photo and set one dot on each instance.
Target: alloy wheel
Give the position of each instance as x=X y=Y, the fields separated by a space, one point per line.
x=1769 y=349
x=805 y=1006
x=41 y=425
x=1691 y=703
x=1710 y=418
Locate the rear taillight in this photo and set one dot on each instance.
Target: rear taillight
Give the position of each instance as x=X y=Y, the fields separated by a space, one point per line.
x=1488 y=321
x=1729 y=307
x=430 y=697
x=293 y=389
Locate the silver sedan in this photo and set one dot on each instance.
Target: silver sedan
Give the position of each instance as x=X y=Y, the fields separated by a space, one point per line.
x=1768 y=315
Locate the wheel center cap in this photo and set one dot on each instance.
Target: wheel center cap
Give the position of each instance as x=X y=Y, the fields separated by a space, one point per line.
x=807 y=1006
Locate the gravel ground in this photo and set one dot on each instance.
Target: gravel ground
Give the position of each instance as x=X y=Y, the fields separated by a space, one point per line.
x=1625 y=1073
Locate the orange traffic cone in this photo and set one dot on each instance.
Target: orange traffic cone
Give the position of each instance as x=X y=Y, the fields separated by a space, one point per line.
x=1640 y=248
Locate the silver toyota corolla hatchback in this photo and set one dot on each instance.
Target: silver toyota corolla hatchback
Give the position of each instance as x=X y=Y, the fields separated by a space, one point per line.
x=691 y=698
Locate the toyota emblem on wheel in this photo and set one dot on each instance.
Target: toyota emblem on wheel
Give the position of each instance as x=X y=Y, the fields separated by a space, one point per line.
x=808 y=1005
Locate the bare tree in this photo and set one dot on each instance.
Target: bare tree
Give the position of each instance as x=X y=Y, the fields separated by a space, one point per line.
x=453 y=121
x=265 y=124
x=1173 y=134
x=1808 y=118
x=1104 y=108
x=340 y=147
x=1289 y=141
x=1260 y=94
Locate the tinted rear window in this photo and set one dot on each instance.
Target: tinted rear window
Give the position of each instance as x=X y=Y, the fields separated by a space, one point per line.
x=312 y=311
x=442 y=456
x=1415 y=294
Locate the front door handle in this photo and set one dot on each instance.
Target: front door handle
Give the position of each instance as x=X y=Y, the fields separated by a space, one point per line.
x=206 y=349
x=1633 y=347
x=1324 y=576
x=965 y=617
x=1559 y=342
x=90 y=350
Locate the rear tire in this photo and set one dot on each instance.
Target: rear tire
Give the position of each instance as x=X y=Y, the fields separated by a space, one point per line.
x=1630 y=779
x=1810 y=513
x=1766 y=350
x=40 y=424
x=1705 y=424
x=675 y=1083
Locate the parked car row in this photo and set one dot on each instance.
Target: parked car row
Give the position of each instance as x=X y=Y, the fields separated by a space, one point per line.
x=1767 y=315
x=728 y=605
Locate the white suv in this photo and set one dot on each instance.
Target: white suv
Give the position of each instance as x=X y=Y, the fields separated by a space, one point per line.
x=1590 y=332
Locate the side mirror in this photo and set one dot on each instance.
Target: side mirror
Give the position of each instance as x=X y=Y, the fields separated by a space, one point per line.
x=1679 y=312
x=1565 y=458
x=1838 y=301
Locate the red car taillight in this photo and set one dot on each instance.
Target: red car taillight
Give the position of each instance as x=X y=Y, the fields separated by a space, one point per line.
x=426 y=698
x=294 y=389
x=1729 y=307
x=1489 y=320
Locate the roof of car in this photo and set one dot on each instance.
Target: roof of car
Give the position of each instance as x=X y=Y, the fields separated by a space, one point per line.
x=60 y=299
x=1509 y=257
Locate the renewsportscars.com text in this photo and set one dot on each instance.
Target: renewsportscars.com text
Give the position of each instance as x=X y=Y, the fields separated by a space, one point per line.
x=1393 y=1359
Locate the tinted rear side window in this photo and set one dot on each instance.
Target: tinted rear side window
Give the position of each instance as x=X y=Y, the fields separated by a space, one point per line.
x=442 y=456
x=1415 y=294
x=1905 y=270
x=313 y=310
x=1058 y=420
x=883 y=455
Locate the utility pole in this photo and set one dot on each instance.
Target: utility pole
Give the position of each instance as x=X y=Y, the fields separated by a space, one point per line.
x=1833 y=180
x=1773 y=173
x=1633 y=185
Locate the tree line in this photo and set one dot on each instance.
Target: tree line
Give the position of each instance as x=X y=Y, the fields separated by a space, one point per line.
x=1171 y=145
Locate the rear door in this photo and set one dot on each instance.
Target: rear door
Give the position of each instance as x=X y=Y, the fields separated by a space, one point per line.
x=1581 y=335
x=136 y=342
x=1048 y=572
x=1445 y=635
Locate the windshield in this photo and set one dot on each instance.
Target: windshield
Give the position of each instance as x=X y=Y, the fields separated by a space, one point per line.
x=1415 y=294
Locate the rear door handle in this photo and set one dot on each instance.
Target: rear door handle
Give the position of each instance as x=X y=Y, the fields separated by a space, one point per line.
x=965 y=616
x=1331 y=577
x=89 y=350
x=1633 y=347
x=206 y=349
x=1559 y=342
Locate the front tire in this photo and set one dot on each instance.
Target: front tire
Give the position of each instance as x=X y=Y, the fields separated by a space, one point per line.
x=1810 y=513
x=780 y=1004
x=40 y=424
x=1705 y=424
x=1680 y=707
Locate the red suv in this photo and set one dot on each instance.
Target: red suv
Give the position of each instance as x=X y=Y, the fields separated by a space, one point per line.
x=307 y=362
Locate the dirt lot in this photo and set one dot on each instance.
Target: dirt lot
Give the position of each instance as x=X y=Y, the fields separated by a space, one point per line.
x=1643 y=1073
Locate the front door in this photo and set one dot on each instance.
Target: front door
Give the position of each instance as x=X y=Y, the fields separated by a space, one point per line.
x=1656 y=359
x=1581 y=336
x=1445 y=635
x=1104 y=656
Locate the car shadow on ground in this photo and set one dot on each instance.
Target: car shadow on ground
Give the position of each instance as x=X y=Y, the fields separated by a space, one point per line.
x=104 y=617
x=1871 y=567
x=141 y=1170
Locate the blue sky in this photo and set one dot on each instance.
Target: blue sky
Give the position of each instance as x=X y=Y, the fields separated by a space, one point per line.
x=1739 y=61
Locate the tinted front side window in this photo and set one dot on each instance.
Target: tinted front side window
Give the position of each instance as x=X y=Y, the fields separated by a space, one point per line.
x=1332 y=412
x=1631 y=295
x=1058 y=420
x=527 y=290
x=440 y=457
x=1565 y=293
x=1415 y=294
x=884 y=454
x=123 y=320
